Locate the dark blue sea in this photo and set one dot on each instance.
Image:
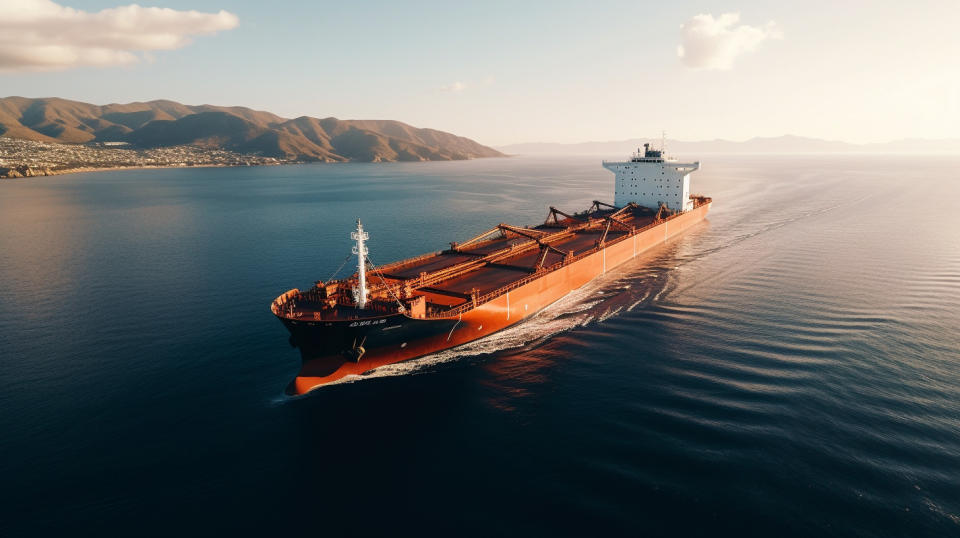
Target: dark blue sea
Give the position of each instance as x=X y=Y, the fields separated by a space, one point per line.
x=790 y=367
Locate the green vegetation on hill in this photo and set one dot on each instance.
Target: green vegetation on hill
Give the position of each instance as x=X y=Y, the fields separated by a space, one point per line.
x=166 y=123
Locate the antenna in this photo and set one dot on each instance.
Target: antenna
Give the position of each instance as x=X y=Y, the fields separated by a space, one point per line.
x=663 y=144
x=360 y=292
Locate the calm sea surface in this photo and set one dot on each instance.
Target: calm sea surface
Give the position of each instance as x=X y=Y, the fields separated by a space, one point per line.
x=789 y=367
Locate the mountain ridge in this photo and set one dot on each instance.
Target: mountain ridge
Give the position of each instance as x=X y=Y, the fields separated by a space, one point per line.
x=785 y=144
x=165 y=123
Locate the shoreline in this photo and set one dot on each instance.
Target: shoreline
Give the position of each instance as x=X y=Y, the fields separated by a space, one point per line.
x=84 y=169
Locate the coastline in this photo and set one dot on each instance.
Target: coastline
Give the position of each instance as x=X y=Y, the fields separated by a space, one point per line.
x=83 y=169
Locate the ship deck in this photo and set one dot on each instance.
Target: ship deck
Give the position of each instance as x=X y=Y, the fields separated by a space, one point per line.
x=481 y=267
x=491 y=275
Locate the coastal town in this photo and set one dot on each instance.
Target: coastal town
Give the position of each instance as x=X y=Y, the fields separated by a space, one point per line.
x=27 y=158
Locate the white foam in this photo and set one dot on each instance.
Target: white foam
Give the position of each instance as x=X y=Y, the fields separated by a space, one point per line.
x=609 y=314
x=566 y=313
x=638 y=301
x=575 y=309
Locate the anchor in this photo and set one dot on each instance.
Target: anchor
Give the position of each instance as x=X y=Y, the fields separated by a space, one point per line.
x=356 y=352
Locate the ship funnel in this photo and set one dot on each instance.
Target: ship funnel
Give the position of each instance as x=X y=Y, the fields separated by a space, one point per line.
x=360 y=292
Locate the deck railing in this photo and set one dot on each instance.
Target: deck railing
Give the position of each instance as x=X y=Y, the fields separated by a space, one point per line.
x=280 y=302
x=487 y=297
x=283 y=302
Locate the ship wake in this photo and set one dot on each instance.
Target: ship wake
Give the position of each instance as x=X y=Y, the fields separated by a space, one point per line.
x=637 y=283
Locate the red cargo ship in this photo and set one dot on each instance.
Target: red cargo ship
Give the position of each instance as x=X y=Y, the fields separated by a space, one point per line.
x=414 y=307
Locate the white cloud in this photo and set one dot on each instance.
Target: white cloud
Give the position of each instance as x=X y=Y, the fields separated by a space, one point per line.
x=455 y=87
x=41 y=35
x=708 y=43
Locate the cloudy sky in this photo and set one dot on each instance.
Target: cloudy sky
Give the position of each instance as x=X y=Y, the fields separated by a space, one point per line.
x=507 y=72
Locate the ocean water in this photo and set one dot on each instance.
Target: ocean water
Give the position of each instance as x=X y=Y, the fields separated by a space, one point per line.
x=790 y=367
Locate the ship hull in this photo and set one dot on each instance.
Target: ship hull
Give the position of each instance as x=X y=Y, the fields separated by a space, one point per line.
x=329 y=349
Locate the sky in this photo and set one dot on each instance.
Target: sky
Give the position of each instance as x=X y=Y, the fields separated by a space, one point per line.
x=513 y=72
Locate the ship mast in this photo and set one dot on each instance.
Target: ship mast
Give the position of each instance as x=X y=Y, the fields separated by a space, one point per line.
x=360 y=292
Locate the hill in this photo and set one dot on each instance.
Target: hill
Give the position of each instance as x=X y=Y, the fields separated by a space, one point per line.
x=156 y=124
x=787 y=144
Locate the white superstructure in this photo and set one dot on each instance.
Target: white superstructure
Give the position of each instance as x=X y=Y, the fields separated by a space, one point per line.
x=650 y=179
